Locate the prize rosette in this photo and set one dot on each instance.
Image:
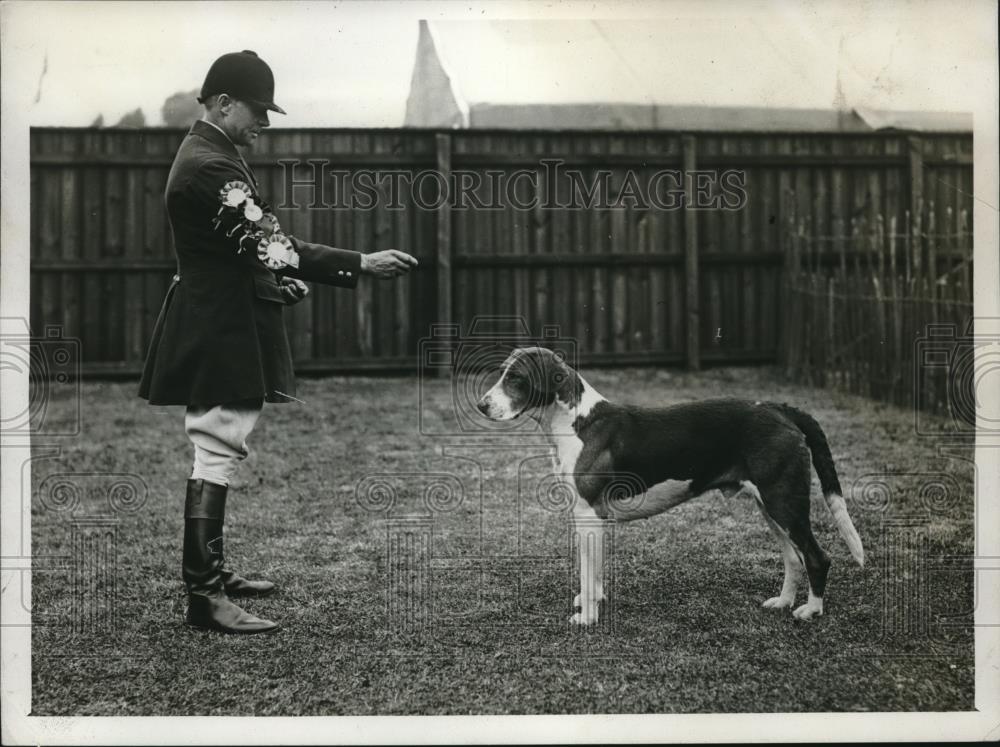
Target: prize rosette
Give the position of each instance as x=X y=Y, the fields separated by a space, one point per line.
x=268 y=223
x=233 y=194
x=252 y=213
x=257 y=224
x=277 y=252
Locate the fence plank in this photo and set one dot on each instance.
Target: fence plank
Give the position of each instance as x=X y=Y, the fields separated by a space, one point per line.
x=444 y=248
x=691 y=291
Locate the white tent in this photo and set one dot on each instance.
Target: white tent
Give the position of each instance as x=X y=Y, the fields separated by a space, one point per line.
x=712 y=74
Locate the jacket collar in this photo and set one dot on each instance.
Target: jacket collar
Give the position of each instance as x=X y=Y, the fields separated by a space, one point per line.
x=215 y=136
x=222 y=143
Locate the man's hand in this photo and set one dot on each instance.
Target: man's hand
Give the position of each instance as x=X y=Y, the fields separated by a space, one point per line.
x=293 y=289
x=388 y=264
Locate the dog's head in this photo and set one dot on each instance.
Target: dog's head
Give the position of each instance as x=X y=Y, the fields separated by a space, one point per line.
x=531 y=379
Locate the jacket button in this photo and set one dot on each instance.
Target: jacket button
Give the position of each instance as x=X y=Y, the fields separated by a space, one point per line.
x=177 y=278
x=340 y=272
x=348 y=274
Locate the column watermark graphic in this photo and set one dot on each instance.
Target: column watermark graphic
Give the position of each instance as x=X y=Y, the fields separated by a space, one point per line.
x=914 y=576
x=93 y=504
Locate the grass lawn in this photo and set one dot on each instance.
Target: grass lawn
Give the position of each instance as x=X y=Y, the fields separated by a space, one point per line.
x=478 y=622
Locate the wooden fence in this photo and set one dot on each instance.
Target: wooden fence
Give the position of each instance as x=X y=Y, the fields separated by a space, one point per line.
x=862 y=303
x=630 y=283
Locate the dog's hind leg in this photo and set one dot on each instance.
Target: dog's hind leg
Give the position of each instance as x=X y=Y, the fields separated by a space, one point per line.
x=793 y=564
x=817 y=567
x=787 y=504
x=784 y=486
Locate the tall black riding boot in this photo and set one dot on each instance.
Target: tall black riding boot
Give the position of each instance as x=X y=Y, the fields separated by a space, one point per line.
x=208 y=605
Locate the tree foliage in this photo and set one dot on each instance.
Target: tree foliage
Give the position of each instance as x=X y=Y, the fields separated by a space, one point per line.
x=134 y=118
x=181 y=109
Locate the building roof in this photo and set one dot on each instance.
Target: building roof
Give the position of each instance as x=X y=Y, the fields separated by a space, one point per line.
x=715 y=74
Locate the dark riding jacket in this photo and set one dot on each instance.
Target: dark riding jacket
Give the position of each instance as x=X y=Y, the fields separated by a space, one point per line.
x=220 y=336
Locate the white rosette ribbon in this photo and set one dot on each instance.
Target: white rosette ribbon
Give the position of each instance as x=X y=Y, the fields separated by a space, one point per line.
x=234 y=193
x=252 y=212
x=277 y=252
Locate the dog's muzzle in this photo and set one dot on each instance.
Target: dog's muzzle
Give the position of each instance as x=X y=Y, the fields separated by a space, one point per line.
x=493 y=407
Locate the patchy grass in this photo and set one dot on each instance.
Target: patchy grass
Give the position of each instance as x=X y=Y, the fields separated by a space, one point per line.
x=479 y=625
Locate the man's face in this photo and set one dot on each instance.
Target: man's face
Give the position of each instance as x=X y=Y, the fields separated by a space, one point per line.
x=244 y=122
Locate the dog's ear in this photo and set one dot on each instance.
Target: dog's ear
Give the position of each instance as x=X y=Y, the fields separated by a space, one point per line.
x=563 y=381
x=537 y=370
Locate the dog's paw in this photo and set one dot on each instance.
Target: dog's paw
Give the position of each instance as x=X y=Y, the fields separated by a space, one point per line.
x=578 y=618
x=807 y=611
x=578 y=603
x=778 y=603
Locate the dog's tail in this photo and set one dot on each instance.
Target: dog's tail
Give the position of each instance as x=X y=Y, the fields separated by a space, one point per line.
x=827 y=472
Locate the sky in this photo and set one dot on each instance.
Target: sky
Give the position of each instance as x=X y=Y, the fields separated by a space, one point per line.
x=782 y=59
x=349 y=64
x=345 y=65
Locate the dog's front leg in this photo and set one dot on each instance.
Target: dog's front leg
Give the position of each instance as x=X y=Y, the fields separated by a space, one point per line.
x=588 y=540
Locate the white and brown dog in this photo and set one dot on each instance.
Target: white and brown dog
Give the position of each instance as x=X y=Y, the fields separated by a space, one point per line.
x=625 y=463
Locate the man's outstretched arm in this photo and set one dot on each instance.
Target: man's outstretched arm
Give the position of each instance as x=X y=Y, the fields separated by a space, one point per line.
x=342 y=267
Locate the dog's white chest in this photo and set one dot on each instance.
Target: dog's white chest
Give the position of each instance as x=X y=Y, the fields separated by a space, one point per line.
x=568 y=448
x=568 y=445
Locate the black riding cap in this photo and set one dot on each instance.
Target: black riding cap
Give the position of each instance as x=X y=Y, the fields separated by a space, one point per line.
x=244 y=76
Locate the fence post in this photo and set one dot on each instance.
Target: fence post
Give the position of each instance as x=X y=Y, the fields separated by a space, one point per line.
x=444 y=251
x=917 y=200
x=792 y=285
x=692 y=353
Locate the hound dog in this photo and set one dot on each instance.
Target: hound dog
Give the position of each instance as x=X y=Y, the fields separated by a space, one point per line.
x=625 y=463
